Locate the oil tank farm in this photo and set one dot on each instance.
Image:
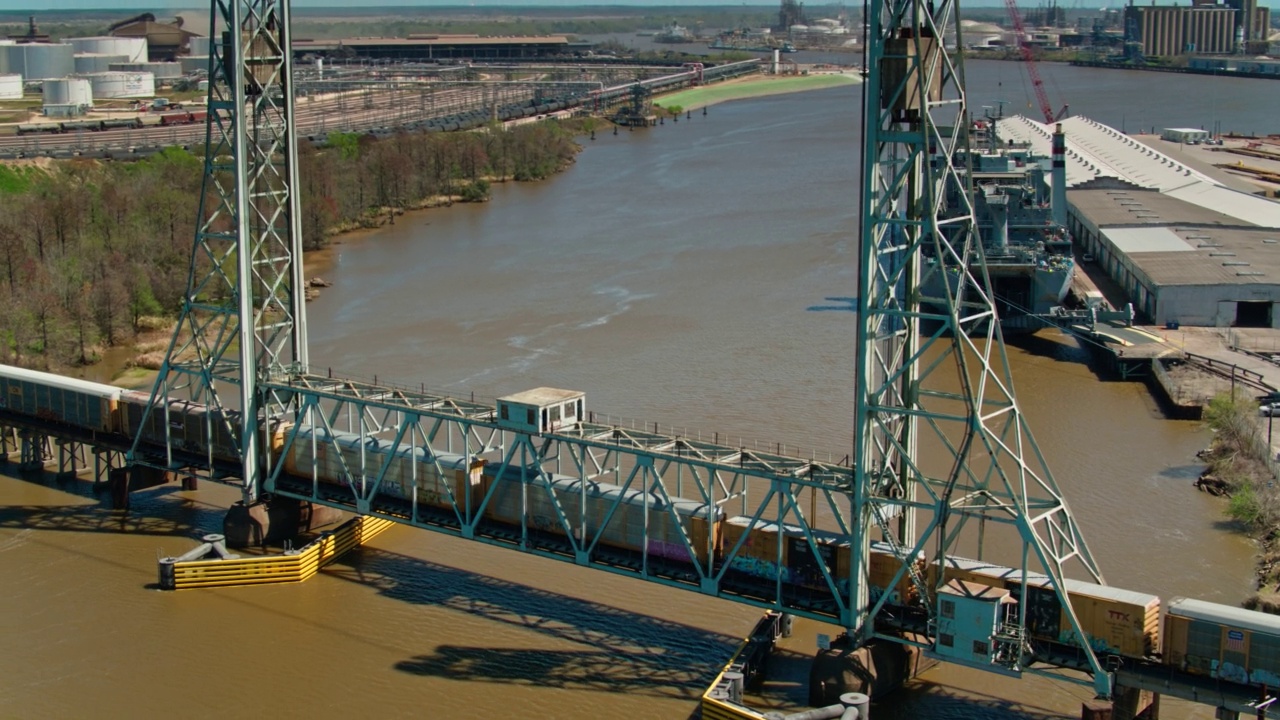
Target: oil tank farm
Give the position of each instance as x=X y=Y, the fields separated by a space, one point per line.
x=160 y=70
x=68 y=91
x=38 y=61
x=96 y=62
x=134 y=49
x=10 y=87
x=111 y=85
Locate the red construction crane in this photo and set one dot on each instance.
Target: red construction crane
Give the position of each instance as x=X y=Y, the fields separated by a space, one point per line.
x=1032 y=70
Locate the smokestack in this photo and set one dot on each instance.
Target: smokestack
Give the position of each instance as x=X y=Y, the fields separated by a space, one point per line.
x=998 y=209
x=1059 y=178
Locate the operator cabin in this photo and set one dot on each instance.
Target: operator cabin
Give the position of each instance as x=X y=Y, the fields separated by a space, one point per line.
x=541 y=410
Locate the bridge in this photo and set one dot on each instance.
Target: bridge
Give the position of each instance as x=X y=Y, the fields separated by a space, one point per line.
x=866 y=542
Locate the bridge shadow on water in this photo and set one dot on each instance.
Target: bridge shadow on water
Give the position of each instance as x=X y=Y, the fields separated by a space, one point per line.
x=163 y=510
x=619 y=651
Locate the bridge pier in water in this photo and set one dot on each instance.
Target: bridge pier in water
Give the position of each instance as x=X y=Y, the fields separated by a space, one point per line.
x=274 y=520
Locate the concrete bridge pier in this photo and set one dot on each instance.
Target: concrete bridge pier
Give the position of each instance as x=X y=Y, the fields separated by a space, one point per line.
x=104 y=461
x=1129 y=703
x=274 y=521
x=1225 y=714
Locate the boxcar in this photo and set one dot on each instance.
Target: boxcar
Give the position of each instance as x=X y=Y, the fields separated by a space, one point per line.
x=1223 y=642
x=759 y=557
x=590 y=511
x=59 y=399
x=192 y=426
x=1116 y=622
x=412 y=472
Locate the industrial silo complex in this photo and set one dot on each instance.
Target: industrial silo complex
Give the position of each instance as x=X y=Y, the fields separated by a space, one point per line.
x=114 y=85
x=10 y=87
x=38 y=61
x=96 y=62
x=134 y=49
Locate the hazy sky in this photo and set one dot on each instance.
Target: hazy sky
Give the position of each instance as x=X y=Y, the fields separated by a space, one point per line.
x=166 y=5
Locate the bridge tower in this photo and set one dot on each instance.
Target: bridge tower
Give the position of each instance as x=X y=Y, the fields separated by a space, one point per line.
x=243 y=319
x=943 y=454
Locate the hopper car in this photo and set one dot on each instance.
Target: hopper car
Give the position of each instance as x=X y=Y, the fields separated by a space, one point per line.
x=1226 y=643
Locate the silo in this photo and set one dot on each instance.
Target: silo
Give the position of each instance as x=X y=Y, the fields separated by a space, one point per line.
x=41 y=61
x=10 y=87
x=133 y=48
x=67 y=91
x=194 y=63
x=122 y=85
x=95 y=63
x=199 y=45
x=161 y=70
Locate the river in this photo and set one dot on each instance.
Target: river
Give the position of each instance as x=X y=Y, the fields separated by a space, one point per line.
x=683 y=275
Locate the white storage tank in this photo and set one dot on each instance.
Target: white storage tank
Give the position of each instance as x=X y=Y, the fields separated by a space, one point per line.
x=121 y=85
x=10 y=87
x=67 y=91
x=40 y=61
x=94 y=63
x=194 y=63
x=161 y=70
x=198 y=45
x=134 y=49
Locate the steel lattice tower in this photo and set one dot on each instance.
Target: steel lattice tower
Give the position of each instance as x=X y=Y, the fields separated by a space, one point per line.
x=910 y=358
x=243 y=319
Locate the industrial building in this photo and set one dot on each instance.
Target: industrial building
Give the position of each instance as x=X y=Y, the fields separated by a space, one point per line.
x=1184 y=247
x=1205 y=27
x=165 y=42
x=1179 y=262
x=437 y=47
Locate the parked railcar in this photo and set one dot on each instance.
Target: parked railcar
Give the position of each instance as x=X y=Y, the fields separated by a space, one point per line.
x=759 y=553
x=191 y=426
x=668 y=523
x=429 y=476
x=59 y=399
x=1116 y=621
x=38 y=128
x=1223 y=642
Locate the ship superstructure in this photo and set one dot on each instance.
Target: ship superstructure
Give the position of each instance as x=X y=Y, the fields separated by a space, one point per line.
x=1027 y=247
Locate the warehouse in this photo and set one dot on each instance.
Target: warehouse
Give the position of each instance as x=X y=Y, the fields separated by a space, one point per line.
x=1180 y=262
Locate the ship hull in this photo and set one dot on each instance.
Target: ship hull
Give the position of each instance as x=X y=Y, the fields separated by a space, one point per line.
x=1022 y=292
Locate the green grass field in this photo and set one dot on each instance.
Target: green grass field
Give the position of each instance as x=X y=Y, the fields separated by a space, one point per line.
x=712 y=94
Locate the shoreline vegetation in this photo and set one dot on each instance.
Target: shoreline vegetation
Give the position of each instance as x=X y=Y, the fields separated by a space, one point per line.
x=94 y=256
x=1238 y=467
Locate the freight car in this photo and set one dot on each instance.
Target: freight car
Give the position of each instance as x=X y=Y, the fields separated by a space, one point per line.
x=758 y=555
x=63 y=400
x=1226 y=643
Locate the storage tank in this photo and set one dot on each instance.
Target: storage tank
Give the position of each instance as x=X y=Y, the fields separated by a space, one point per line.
x=198 y=45
x=95 y=63
x=161 y=70
x=134 y=49
x=67 y=91
x=194 y=63
x=40 y=61
x=10 y=87
x=122 y=85
x=62 y=111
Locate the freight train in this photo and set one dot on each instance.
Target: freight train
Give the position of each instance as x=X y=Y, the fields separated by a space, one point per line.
x=1217 y=641
x=170 y=119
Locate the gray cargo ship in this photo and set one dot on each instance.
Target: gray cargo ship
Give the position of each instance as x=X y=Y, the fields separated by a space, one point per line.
x=1025 y=241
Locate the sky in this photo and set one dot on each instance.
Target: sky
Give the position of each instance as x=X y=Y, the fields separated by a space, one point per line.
x=168 y=5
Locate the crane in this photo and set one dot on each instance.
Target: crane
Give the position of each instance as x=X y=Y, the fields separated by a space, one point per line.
x=1027 y=55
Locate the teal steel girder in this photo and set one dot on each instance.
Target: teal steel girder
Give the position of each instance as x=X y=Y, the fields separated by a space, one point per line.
x=915 y=123
x=243 y=318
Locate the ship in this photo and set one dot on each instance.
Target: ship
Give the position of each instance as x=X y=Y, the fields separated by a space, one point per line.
x=1027 y=247
x=674 y=33
x=730 y=43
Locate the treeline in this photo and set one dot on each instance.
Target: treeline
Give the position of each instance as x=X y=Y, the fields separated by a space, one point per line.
x=92 y=253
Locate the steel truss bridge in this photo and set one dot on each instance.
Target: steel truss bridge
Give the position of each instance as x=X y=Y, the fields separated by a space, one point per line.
x=241 y=344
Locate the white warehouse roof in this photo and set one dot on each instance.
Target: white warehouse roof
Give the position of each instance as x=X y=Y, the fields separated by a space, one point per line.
x=1095 y=150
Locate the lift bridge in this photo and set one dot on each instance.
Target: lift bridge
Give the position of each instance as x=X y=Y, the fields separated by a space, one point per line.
x=241 y=349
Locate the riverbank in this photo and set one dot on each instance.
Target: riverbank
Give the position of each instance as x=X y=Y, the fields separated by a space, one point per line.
x=754 y=86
